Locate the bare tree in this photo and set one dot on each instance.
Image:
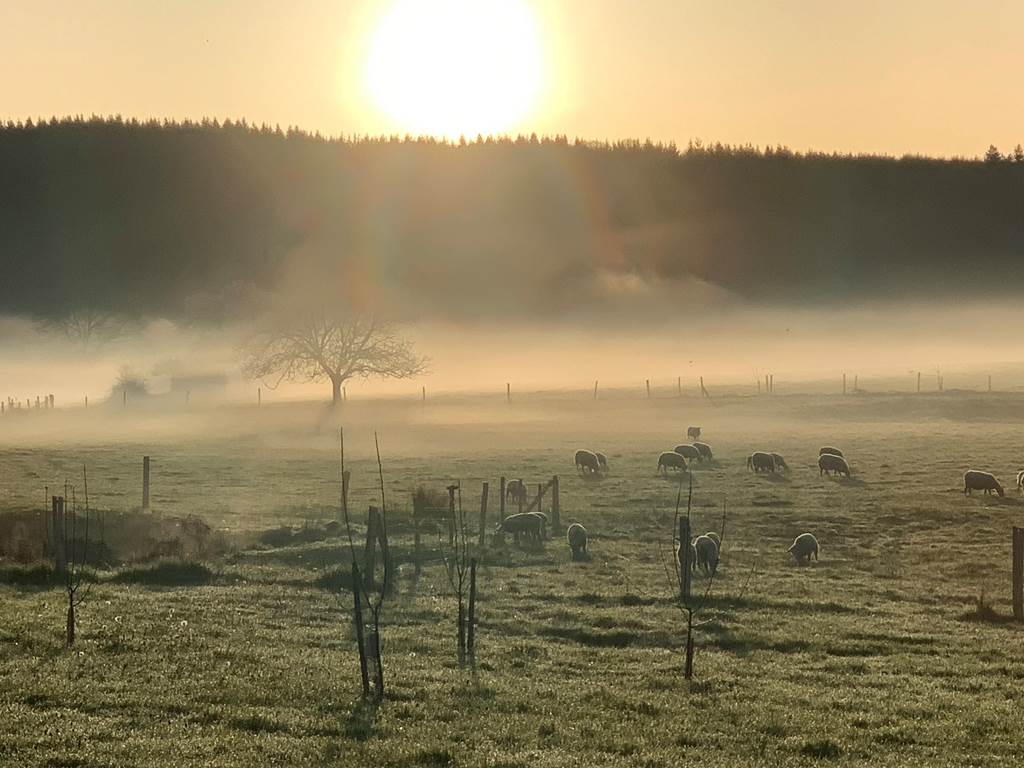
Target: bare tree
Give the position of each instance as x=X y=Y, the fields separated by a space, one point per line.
x=457 y=564
x=76 y=556
x=366 y=590
x=321 y=345
x=88 y=328
x=682 y=565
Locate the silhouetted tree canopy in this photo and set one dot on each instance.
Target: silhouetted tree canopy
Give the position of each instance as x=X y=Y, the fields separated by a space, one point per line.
x=197 y=221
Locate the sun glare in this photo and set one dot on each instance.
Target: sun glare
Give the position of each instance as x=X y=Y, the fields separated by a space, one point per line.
x=455 y=67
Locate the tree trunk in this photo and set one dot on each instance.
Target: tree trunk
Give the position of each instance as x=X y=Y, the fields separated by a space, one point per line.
x=71 y=622
x=336 y=391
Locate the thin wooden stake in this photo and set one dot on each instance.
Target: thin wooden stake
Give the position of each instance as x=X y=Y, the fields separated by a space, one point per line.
x=556 y=505
x=1018 y=574
x=483 y=514
x=471 y=628
x=357 y=617
x=145 y=483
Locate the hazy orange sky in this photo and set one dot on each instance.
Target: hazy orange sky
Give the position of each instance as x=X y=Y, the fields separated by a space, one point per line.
x=938 y=77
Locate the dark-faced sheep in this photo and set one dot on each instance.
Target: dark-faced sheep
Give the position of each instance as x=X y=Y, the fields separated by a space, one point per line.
x=687 y=451
x=706 y=554
x=671 y=460
x=576 y=535
x=780 y=463
x=831 y=450
x=704 y=450
x=516 y=489
x=693 y=433
x=587 y=462
x=829 y=463
x=759 y=461
x=803 y=547
x=602 y=461
x=976 y=480
x=525 y=525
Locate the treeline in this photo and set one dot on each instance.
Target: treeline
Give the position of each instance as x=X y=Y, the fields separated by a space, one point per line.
x=193 y=219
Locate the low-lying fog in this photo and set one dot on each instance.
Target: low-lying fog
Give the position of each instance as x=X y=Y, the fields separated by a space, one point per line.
x=731 y=347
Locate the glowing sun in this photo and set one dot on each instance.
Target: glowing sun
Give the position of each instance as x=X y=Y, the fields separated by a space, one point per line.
x=455 y=67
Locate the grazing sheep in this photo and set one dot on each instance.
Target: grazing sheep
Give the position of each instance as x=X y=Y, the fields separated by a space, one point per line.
x=543 y=523
x=830 y=463
x=976 y=480
x=693 y=433
x=577 y=538
x=704 y=450
x=803 y=547
x=780 y=463
x=688 y=451
x=587 y=462
x=693 y=556
x=671 y=460
x=759 y=461
x=706 y=554
x=602 y=461
x=713 y=535
x=525 y=524
x=517 y=490
x=830 y=449
x=1020 y=481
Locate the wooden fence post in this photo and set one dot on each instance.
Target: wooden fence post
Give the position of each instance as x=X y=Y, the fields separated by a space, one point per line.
x=60 y=550
x=145 y=483
x=556 y=505
x=424 y=394
x=370 y=552
x=919 y=382
x=771 y=383
x=595 y=389
x=416 y=514
x=648 y=382
x=508 y=392
x=540 y=497
x=483 y=514
x=522 y=493
x=844 y=383
x=990 y=382
x=501 y=501
x=685 y=558
x=357 y=618
x=451 y=514
x=346 y=478
x=1018 y=574
x=471 y=629
x=679 y=386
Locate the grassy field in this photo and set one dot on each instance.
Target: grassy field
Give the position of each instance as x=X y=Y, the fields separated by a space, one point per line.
x=873 y=655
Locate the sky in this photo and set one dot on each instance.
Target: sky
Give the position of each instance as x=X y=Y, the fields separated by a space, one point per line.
x=938 y=78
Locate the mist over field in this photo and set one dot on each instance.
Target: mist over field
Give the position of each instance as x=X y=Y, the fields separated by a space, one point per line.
x=546 y=263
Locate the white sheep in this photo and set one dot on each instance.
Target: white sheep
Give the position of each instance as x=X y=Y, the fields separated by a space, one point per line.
x=803 y=547
x=706 y=554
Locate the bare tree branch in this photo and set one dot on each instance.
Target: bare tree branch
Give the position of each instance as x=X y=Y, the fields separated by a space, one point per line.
x=319 y=345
